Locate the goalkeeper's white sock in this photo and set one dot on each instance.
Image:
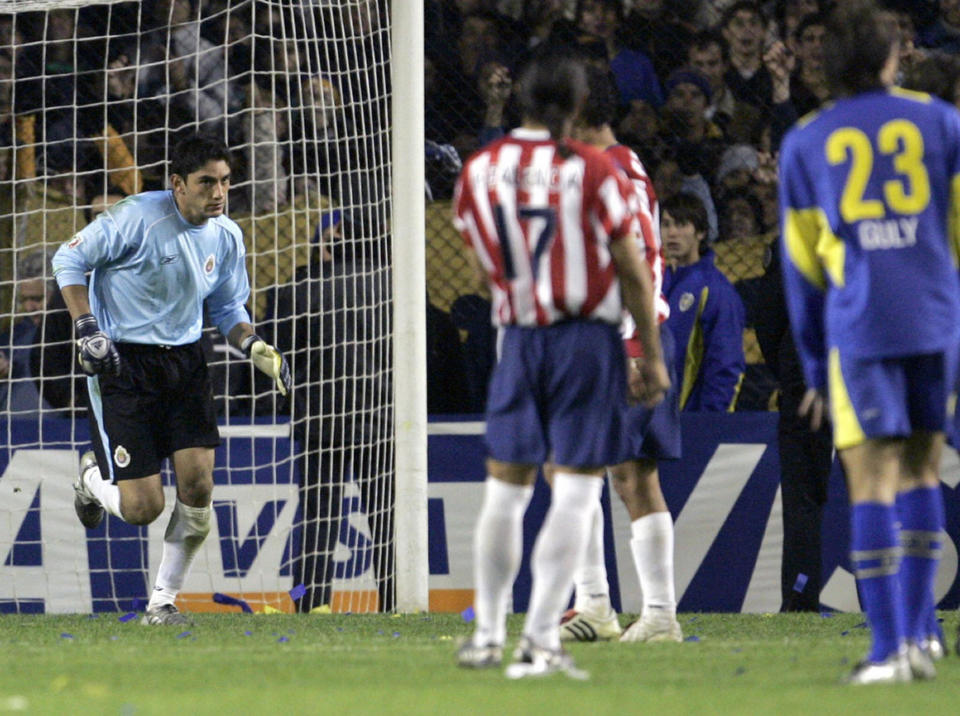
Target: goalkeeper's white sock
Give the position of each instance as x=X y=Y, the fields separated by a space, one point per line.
x=106 y=492
x=185 y=533
x=497 y=549
x=558 y=550
x=590 y=579
x=652 y=548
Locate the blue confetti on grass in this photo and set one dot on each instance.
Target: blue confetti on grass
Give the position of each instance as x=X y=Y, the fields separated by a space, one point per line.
x=801 y=583
x=248 y=633
x=127 y=617
x=221 y=598
x=297 y=592
x=844 y=633
x=283 y=639
x=692 y=619
x=93 y=616
x=339 y=628
x=737 y=650
x=396 y=635
x=693 y=637
x=826 y=615
x=861 y=625
x=468 y=614
x=183 y=635
x=66 y=635
x=740 y=670
x=114 y=637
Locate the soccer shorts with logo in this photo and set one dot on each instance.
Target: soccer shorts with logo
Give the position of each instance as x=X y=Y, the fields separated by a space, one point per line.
x=889 y=397
x=558 y=392
x=654 y=433
x=161 y=402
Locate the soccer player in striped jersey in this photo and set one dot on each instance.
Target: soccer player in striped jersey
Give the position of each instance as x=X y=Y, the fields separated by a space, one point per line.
x=869 y=193
x=551 y=223
x=651 y=434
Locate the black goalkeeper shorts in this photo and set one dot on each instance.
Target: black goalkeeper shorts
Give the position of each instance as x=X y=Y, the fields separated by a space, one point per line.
x=161 y=402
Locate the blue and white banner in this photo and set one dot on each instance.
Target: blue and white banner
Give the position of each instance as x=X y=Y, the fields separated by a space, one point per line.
x=723 y=495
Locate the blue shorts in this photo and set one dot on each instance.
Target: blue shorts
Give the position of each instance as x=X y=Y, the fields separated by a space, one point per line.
x=889 y=397
x=654 y=433
x=558 y=392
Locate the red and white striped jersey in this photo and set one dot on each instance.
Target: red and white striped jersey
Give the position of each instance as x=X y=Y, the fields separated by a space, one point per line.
x=541 y=226
x=648 y=218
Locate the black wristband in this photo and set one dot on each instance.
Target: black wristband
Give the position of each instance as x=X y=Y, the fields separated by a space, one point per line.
x=248 y=342
x=86 y=325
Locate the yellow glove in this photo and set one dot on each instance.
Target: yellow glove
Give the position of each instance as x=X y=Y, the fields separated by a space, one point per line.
x=269 y=360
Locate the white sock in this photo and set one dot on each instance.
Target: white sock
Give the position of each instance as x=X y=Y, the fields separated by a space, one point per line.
x=559 y=549
x=107 y=494
x=185 y=533
x=590 y=579
x=497 y=551
x=652 y=547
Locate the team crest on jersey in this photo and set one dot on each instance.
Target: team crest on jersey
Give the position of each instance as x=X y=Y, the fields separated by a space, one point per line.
x=686 y=300
x=121 y=456
x=209 y=264
x=75 y=242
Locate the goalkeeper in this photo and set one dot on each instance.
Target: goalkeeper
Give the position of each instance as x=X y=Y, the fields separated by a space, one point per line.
x=154 y=258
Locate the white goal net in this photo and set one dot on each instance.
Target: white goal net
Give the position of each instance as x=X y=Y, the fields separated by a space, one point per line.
x=93 y=97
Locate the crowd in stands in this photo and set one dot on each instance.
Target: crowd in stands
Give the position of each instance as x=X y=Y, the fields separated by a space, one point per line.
x=91 y=99
x=707 y=88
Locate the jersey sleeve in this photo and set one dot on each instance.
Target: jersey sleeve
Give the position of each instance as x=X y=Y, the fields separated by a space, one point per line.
x=616 y=205
x=804 y=279
x=723 y=360
x=106 y=239
x=227 y=302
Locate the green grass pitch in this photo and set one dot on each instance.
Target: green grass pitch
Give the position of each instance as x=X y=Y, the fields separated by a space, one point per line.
x=348 y=664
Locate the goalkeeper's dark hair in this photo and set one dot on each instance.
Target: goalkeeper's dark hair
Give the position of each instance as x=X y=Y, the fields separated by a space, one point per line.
x=601 y=103
x=551 y=91
x=857 y=44
x=193 y=152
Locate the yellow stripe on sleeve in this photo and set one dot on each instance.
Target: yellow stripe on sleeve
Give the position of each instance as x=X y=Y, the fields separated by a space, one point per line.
x=813 y=248
x=953 y=220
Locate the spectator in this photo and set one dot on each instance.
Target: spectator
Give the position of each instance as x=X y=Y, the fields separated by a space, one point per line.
x=672 y=176
x=685 y=127
x=736 y=167
x=787 y=15
x=806 y=456
x=265 y=131
x=706 y=315
x=598 y=33
x=939 y=75
x=744 y=28
x=18 y=392
x=808 y=84
x=709 y=55
x=944 y=33
x=341 y=357
x=658 y=29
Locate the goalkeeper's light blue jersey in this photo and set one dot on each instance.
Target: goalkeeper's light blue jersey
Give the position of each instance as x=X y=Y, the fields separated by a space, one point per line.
x=152 y=271
x=869 y=192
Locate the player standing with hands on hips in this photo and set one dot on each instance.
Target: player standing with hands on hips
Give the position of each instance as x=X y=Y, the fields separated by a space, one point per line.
x=552 y=225
x=154 y=258
x=870 y=194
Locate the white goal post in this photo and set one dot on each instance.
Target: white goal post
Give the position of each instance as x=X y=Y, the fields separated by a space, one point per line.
x=321 y=501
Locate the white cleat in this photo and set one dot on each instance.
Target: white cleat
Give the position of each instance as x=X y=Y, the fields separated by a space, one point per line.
x=895 y=669
x=936 y=647
x=471 y=656
x=165 y=615
x=531 y=660
x=656 y=625
x=88 y=508
x=921 y=661
x=586 y=625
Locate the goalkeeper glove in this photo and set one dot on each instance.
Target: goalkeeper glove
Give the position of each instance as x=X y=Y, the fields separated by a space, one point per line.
x=268 y=359
x=95 y=351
